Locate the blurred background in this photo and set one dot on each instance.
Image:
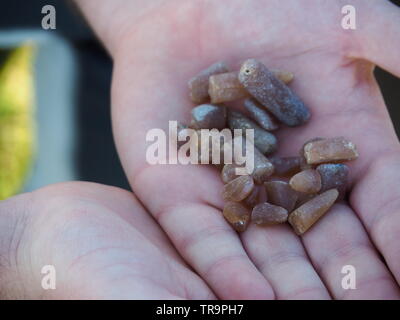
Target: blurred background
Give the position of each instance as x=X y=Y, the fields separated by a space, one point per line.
x=58 y=126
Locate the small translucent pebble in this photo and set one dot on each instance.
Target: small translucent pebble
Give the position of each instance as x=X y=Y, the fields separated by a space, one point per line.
x=273 y=94
x=281 y=194
x=262 y=167
x=228 y=172
x=226 y=87
x=283 y=75
x=208 y=116
x=286 y=166
x=303 y=162
x=253 y=198
x=307 y=181
x=264 y=141
x=269 y=214
x=330 y=150
x=237 y=215
x=238 y=189
x=260 y=115
x=310 y=212
x=303 y=198
x=198 y=85
x=334 y=175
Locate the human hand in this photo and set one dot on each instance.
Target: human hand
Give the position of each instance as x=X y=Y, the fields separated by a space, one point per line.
x=101 y=242
x=168 y=42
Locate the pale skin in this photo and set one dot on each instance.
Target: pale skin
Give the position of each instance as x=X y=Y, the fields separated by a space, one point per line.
x=168 y=240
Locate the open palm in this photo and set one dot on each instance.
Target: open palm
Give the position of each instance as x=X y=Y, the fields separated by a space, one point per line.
x=100 y=241
x=173 y=41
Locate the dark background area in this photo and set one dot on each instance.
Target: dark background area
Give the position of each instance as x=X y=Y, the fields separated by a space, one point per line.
x=97 y=159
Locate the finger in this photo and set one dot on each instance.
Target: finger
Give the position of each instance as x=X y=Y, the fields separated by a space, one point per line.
x=376 y=199
x=199 y=232
x=339 y=240
x=379 y=41
x=279 y=255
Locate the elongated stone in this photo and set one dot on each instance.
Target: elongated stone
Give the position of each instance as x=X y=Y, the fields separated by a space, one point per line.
x=307 y=181
x=238 y=189
x=286 y=166
x=273 y=94
x=281 y=194
x=334 y=176
x=253 y=198
x=208 y=116
x=268 y=214
x=330 y=150
x=226 y=87
x=237 y=215
x=198 y=85
x=264 y=141
x=310 y=212
x=260 y=115
x=263 y=168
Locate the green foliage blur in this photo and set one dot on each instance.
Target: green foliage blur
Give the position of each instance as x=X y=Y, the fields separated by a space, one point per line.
x=17 y=128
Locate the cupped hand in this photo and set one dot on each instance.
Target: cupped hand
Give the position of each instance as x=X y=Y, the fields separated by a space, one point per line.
x=169 y=42
x=99 y=243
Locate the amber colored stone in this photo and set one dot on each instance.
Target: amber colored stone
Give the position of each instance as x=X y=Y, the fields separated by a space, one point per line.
x=228 y=172
x=281 y=194
x=208 y=116
x=330 y=150
x=304 y=197
x=303 y=162
x=226 y=87
x=307 y=181
x=269 y=214
x=264 y=141
x=283 y=75
x=198 y=85
x=310 y=212
x=238 y=189
x=286 y=166
x=253 y=198
x=273 y=94
x=237 y=215
x=334 y=176
x=260 y=115
x=262 y=168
